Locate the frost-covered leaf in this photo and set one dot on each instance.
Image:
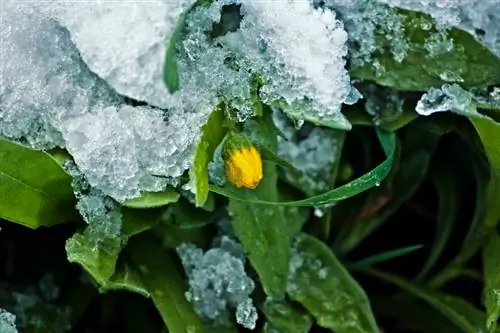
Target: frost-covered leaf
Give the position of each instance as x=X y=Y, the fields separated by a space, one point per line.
x=491 y=264
x=432 y=58
x=34 y=190
x=286 y=317
x=213 y=133
x=460 y=312
x=164 y=283
x=98 y=257
x=153 y=199
x=324 y=287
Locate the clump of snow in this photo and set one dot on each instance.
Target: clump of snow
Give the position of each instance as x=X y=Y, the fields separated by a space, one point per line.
x=218 y=282
x=7 y=322
x=450 y=97
x=279 y=48
x=124 y=43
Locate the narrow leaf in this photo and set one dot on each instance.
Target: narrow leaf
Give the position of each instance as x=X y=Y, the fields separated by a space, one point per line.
x=212 y=134
x=363 y=183
x=449 y=202
x=382 y=257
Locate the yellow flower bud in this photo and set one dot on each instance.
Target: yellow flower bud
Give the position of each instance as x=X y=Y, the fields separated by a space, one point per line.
x=244 y=166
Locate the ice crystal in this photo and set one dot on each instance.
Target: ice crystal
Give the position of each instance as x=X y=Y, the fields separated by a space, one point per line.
x=450 y=97
x=7 y=322
x=218 y=282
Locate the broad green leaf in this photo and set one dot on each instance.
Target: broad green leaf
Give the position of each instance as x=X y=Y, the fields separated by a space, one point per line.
x=34 y=190
x=324 y=287
x=213 y=133
x=164 y=283
x=262 y=230
x=469 y=61
x=382 y=257
x=97 y=256
x=461 y=313
x=286 y=317
x=363 y=183
x=153 y=199
x=489 y=132
x=491 y=264
x=126 y=277
x=184 y=215
x=449 y=202
x=136 y=221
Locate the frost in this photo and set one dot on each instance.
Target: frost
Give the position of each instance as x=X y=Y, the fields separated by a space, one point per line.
x=7 y=322
x=218 y=282
x=481 y=18
x=382 y=103
x=314 y=155
x=450 y=97
x=364 y=20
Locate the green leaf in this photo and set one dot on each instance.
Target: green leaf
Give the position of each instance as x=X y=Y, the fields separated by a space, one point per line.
x=461 y=313
x=489 y=132
x=34 y=190
x=137 y=221
x=491 y=264
x=263 y=232
x=126 y=277
x=363 y=183
x=97 y=256
x=153 y=199
x=286 y=318
x=382 y=257
x=184 y=215
x=164 y=283
x=449 y=202
x=324 y=287
x=212 y=134
x=471 y=62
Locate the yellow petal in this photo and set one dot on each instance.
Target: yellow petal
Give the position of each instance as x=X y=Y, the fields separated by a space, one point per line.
x=244 y=167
